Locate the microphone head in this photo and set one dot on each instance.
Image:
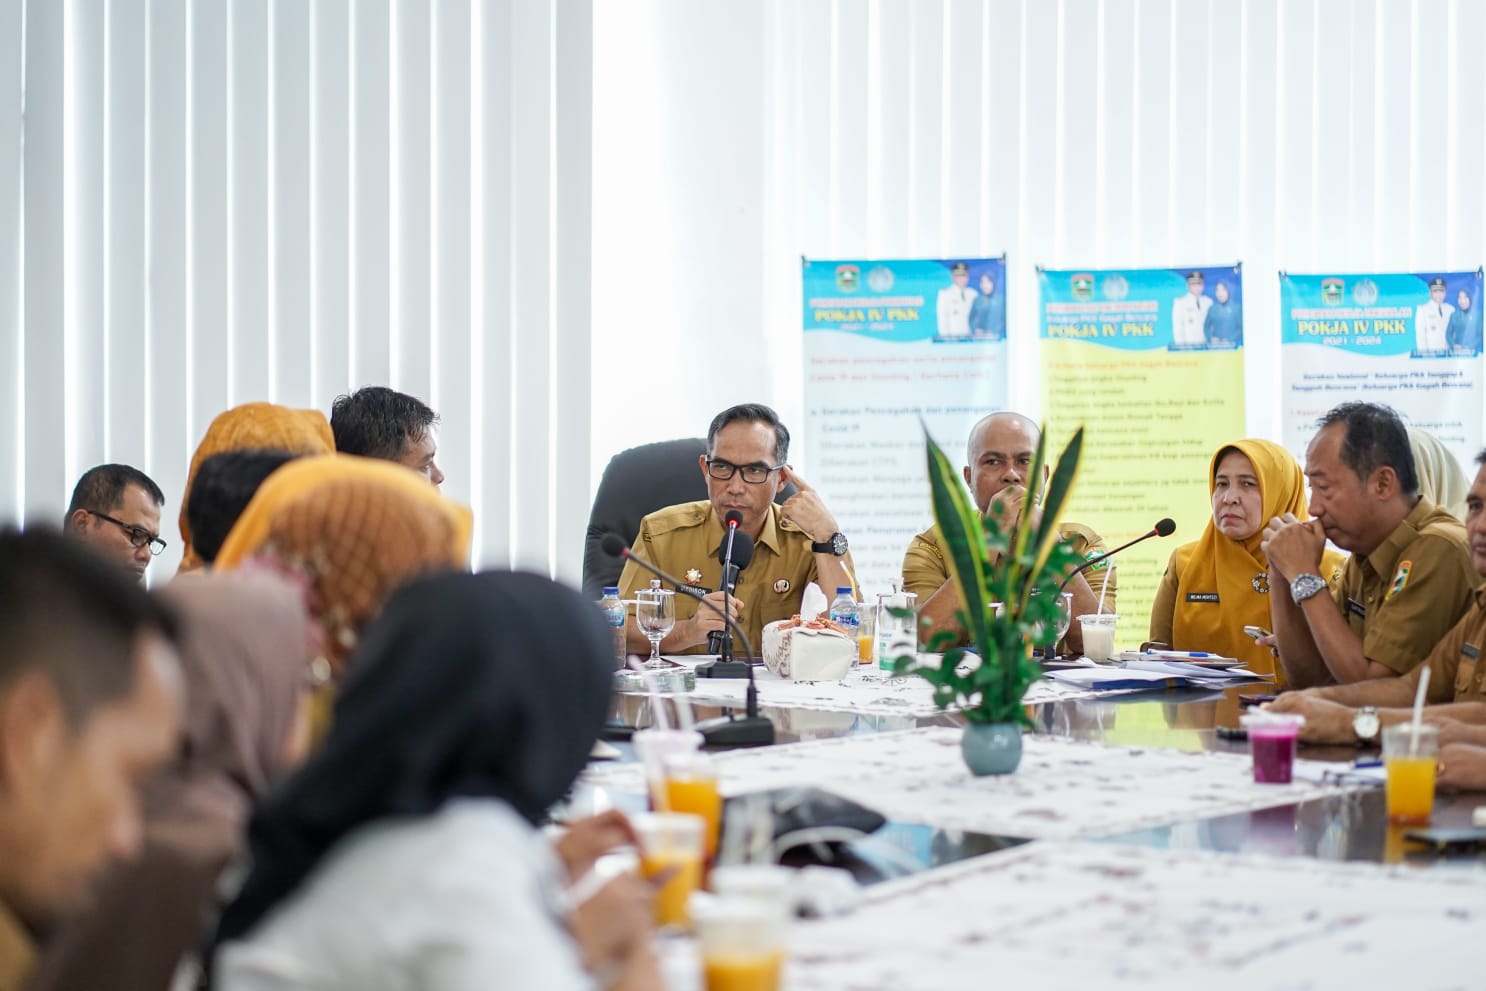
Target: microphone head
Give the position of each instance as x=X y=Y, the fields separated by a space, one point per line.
x=742 y=550
x=613 y=545
x=1166 y=527
x=733 y=518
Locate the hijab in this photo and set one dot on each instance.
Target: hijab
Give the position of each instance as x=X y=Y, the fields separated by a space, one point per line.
x=486 y=686
x=354 y=529
x=1440 y=479
x=1237 y=570
x=244 y=655
x=253 y=427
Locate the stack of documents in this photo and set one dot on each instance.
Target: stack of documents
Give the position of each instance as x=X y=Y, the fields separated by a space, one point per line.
x=1154 y=672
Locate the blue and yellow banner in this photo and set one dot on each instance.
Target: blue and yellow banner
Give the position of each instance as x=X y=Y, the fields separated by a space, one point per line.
x=1412 y=341
x=1150 y=363
x=890 y=346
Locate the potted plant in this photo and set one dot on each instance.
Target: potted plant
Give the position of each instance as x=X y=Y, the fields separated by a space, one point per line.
x=1018 y=564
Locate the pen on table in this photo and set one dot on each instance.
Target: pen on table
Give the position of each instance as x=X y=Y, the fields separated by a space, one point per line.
x=1368 y=763
x=1184 y=653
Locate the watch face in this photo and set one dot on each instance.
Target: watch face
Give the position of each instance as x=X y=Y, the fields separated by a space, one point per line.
x=838 y=544
x=1365 y=725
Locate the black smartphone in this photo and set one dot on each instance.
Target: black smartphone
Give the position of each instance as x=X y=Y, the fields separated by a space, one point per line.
x=1232 y=733
x=1254 y=699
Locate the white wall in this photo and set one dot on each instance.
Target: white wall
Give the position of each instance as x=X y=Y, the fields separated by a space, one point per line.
x=730 y=139
x=217 y=202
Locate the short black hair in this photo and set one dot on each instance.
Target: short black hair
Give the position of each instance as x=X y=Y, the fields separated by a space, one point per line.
x=74 y=615
x=224 y=485
x=101 y=489
x=1374 y=437
x=751 y=413
x=378 y=422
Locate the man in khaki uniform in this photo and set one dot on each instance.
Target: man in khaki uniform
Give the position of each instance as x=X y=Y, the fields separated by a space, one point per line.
x=1410 y=575
x=794 y=544
x=999 y=452
x=1457 y=683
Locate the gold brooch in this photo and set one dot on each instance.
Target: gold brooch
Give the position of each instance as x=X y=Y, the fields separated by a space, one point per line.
x=781 y=586
x=1261 y=582
x=693 y=576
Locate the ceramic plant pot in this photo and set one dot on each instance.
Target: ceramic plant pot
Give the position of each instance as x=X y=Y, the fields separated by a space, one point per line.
x=991 y=748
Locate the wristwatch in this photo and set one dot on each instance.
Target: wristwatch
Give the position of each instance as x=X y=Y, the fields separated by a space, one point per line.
x=834 y=544
x=1366 y=725
x=1302 y=587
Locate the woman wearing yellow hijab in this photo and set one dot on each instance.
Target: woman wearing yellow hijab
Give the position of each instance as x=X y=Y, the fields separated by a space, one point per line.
x=351 y=530
x=1219 y=583
x=254 y=427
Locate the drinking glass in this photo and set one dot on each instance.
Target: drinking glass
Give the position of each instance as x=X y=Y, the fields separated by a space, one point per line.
x=1065 y=615
x=655 y=611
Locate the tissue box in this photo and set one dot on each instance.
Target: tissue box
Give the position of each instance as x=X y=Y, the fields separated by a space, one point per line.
x=813 y=651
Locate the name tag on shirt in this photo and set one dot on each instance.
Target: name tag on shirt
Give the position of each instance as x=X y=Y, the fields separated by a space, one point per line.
x=1470 y=650
x=1356 y=608
x=699 y=590
x=1202 y=596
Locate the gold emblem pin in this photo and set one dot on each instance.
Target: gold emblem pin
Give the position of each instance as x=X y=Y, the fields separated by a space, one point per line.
x=781 y=586
x=693 y=576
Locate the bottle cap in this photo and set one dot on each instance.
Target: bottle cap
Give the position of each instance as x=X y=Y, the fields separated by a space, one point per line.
x=611 y=589
x=843 y=590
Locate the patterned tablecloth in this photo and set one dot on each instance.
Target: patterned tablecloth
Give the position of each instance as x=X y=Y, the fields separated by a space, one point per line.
x=1064 y=915
x=865 y=691
x=1064 y=789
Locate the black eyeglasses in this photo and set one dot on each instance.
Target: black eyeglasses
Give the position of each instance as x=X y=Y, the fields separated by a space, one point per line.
x=138 y=536
x=752 y=474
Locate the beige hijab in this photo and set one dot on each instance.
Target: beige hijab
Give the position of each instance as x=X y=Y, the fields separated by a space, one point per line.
x=1440 y=479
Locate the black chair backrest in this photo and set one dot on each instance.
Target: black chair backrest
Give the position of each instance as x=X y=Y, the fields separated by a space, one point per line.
x=635 y=484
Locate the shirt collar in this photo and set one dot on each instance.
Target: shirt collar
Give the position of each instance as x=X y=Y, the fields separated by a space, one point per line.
x=768 y=536
x=1385 y=556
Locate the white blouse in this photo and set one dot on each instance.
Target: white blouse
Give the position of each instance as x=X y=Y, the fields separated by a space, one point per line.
x=469 y=898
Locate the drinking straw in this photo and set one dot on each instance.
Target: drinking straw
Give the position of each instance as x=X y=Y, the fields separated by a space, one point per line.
x=1104 y=588
x=683 y=710
x=1418 y=711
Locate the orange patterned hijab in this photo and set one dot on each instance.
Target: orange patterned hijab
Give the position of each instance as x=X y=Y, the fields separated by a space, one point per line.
x=254 y=427
x=355 y=529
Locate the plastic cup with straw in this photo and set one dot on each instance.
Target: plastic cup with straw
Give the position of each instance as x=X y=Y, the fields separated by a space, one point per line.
x=652 y=745
x=1099 y=628
x=1409 y=758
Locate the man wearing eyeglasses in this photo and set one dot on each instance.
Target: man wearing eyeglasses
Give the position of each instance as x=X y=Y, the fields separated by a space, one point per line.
x=795 y=543
x=115 y=510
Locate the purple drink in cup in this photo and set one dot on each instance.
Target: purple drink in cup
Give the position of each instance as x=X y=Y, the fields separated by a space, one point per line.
x=1272 y=740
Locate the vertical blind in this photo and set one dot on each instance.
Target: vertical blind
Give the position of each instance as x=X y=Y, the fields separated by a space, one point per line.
x=204 y=203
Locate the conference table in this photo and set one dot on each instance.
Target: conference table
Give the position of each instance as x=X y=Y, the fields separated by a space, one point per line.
x=1131 y=848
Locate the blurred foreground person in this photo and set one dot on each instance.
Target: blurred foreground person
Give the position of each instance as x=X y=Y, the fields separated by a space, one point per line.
x=90 y=705
x=245 y=655
x=406 y=853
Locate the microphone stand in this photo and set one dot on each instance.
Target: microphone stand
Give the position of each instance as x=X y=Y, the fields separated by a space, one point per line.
x=1162 y=529
x=752 y=729
x=724 y=666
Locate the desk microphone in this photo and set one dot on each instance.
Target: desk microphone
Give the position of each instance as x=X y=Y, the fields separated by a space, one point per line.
x=720 y=642
x=752 y=730
x=1163 y=528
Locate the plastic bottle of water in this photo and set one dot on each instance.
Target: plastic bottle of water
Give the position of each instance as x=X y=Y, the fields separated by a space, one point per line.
x=615 y=613
x=846 y=613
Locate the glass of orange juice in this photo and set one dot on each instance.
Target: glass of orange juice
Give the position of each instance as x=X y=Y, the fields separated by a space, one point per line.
x=653 y=746
x=866 y=635
x=742 y=943
x=671 y=841
x=1410 y=764
x=691 y=787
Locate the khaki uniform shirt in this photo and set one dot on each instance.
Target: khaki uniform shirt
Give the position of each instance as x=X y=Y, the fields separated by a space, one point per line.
x=683 y=540
x=17 y=952
x=1456 y=673
x=1407 y=594
x=925 y=568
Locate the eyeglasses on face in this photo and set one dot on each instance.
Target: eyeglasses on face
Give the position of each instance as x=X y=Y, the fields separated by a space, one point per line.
x=138 y=536
x=752 y=474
